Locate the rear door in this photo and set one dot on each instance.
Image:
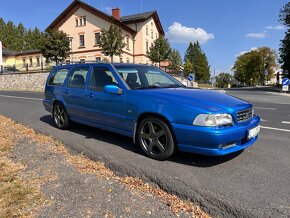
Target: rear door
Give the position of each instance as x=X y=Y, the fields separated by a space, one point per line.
x=75 y=92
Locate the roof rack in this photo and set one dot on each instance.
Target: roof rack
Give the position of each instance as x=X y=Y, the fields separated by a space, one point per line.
x=80 y=62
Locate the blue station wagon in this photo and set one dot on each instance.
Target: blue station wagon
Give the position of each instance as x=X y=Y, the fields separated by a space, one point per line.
x=151 y=107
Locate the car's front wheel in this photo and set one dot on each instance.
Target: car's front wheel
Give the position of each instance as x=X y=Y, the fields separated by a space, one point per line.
x=156 y=139
x=60 y=117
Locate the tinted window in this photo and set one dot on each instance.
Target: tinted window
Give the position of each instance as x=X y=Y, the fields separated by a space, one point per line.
x=100 y=77
x=78 y=77
x=58 y=77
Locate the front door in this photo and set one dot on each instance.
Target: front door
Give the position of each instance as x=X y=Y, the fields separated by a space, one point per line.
x=105 y=109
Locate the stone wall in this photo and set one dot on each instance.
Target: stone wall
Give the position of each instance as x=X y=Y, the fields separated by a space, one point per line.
x=23 y=81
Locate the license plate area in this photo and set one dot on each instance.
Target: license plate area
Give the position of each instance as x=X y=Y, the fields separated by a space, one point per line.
x=252 y=133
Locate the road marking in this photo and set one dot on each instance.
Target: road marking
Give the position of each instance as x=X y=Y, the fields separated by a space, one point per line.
x=265 y=108
x=17 y=97
x=264 y=120
x=285 y=122
x=278 y=129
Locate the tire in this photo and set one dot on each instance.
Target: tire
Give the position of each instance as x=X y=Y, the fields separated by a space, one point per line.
x=60 y=116
x=156 y=139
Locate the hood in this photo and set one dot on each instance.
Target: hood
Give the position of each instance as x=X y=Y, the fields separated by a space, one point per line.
x=206 y=100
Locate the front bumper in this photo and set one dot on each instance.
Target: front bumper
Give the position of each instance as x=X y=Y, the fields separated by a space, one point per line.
x=214 y=141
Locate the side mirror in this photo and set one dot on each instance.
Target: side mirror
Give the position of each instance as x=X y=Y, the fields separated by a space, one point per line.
x=113 y=89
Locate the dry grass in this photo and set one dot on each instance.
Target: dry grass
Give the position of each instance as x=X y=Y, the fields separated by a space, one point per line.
x=18 y=198
x=84 y=165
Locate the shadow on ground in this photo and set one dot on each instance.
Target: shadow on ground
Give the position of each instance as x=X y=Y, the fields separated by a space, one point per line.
x=124 y=142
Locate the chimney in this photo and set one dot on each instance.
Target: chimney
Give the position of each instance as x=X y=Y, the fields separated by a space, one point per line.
x=116 y=13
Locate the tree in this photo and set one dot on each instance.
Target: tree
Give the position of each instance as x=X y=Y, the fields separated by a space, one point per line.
x=256 y=66
x=160 y=50
x=175 y=60
x=223 y=79
x=284 y=16
x=188 y=68
x=195 y=55
x=285 y=52
x=55 y=46
x=112 y=41
x=284 y=49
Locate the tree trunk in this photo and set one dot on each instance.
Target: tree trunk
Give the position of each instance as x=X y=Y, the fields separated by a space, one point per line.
x=111 y=58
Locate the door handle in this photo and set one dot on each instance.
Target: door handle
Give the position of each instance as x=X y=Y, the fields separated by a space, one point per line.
x=90 y=95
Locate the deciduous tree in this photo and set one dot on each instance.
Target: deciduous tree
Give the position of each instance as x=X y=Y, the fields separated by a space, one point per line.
x=55 y=46
x=112 y=41
x=223 y=80
x=160 y=50
x=175 y=60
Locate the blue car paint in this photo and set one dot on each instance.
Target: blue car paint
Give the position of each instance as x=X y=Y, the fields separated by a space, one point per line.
x=179 y=106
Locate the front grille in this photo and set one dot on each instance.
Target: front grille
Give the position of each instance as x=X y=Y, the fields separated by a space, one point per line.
x=244 y=115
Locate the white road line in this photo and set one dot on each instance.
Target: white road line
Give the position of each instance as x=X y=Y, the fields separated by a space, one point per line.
x=272 y=128
x=17 y=97
x=264 y=120
x=285 y=122
x=265 y=108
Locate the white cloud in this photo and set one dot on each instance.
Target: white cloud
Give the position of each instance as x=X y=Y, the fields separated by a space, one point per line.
x=108 y=9
x=278 y=27
x=182 y=34
x=244 y=52
x=256 y=35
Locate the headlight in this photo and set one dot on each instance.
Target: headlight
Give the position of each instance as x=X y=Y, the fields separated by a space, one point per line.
x=213 y=120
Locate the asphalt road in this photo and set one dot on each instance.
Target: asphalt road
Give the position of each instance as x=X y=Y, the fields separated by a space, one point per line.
x=253 y=183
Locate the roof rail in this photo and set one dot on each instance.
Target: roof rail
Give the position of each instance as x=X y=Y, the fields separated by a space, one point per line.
x=80 y=62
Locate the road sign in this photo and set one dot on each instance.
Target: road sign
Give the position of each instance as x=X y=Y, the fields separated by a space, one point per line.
x=190 y=78
x=285 y=82
x=285 y=88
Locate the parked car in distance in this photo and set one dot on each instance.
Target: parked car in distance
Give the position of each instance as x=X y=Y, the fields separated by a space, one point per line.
x=10 y=70
x=151 y=107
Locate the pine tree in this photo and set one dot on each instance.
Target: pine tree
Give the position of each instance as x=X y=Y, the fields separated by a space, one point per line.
x=195 y=55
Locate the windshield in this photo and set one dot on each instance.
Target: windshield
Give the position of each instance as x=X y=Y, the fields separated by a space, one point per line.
x=147 y=77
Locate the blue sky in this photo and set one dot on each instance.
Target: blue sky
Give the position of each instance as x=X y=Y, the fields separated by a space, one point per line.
x=225 y=27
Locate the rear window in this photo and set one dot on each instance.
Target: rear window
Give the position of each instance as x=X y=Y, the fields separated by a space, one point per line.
x=58 y=77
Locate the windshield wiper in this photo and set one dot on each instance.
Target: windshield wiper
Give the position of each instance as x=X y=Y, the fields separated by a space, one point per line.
x=148 y=87
x=172 y=86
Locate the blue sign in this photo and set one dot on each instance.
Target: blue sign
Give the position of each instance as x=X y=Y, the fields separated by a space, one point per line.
x=285 y=82
x=190 y=78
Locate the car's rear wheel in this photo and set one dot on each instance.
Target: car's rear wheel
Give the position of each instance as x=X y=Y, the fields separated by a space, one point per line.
x=156 y=139
x=60 y=117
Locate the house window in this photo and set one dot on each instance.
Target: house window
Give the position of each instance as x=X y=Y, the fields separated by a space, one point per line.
x=147 y=30
x=152 y=24
x=97 y=38
x=128 y=60
x=82 y=40
x=24 y=62
x=127 y=43
x=121 y=60
x=151 y=34
x=82 y=61
x=67 y=62
x=81 y=21
x=98 y=59
x=30 y=62
x=37 y=62
x=147 y=46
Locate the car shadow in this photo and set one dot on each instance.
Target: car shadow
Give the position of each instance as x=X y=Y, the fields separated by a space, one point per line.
x=125 y=142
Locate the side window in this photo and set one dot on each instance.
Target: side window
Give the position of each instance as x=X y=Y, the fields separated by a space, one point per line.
x=58 y=77
x=100 y=77
x=78 y=77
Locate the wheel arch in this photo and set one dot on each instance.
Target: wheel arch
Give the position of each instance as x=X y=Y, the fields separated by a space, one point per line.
x=156 y=115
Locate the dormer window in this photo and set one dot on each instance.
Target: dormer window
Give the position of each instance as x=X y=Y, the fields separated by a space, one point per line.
x=81 y=21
